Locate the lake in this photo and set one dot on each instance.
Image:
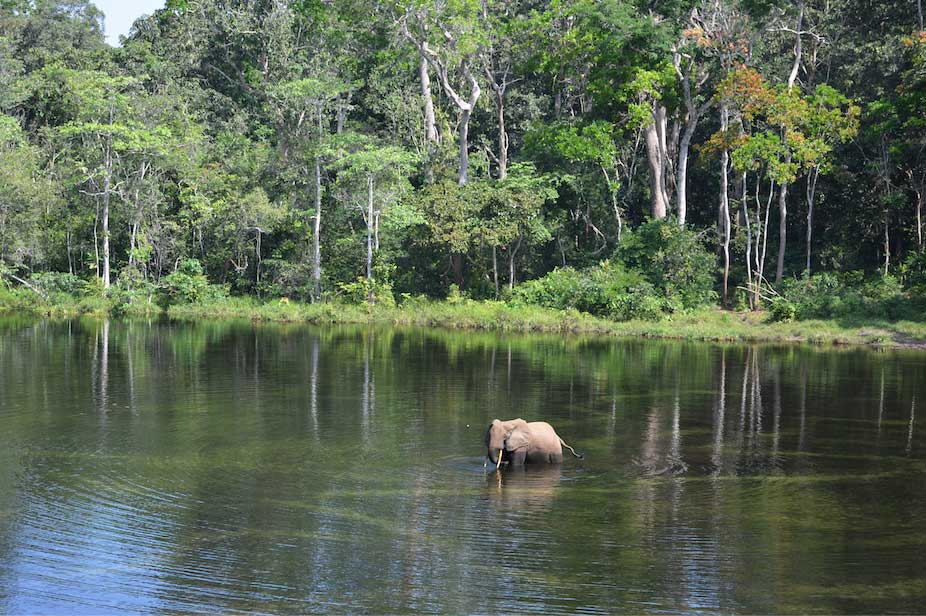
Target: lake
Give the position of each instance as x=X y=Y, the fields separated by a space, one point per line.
x=156 y=467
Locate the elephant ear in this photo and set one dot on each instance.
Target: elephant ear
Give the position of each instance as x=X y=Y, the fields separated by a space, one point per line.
x=518 y=439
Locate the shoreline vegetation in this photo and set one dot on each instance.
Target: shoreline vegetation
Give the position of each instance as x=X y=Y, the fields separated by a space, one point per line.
x=705 y=324
x=603 y=168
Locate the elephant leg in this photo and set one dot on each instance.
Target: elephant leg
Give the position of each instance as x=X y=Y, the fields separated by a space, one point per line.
x=517 y=458
x=545 y=457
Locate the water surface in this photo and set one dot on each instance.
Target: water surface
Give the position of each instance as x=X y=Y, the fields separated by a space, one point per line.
x=238 y=468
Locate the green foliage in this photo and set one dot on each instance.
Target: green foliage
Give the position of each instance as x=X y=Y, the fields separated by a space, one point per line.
x=914 y=272
x=607 y=290
x=673 y=260
x=848 y=296
x=188 y=285
x=782 y=310
x=131 y=293
x=367 y=291
x=202 y=133
x=61 y=282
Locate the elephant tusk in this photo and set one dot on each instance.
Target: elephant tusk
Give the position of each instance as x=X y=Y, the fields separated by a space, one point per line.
x=499 y=463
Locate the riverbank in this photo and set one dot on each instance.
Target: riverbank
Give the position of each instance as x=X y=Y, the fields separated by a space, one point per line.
x=710 y=324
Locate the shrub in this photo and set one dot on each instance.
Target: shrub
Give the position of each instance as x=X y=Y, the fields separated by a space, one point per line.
x=61 y=282
x=673 y=260
x=782 y=310
x=281 y=278
x=360 y=290
x=914 y=272
x=131 y=290
x=851 y=295
x=608 y=289
x=188 y=285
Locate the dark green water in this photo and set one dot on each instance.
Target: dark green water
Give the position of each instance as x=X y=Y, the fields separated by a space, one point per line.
x=166 y=468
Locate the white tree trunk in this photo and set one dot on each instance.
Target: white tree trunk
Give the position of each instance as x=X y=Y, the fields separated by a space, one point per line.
x=811 y=193
x=370 y=238
x=502 y=134
x=317 y=223
x=107 y=189
x=783 y=192
x=656 y=179
x=782 y=228
x=430 y=125
x=724 y=213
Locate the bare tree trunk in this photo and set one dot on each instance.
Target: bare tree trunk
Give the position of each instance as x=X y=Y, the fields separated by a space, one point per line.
x=782 y=228
x=760 y=255
x=495 y=269
x=257 y=251
x=811 y=191
x=107 y=189
x=466 y=107
x=919 y=219
x=724 y=213
x=743 y=201
x=656 y=166
x=919 y=15
x=342 y=112
x=96 y=238
x=691 y=124
x=795 y=67
x=887 y=246
x=682 y=172
x=370 y=238
x=502 y=134
x=136 y=222
x=783 y=192
x=430 y=126
x=317 y=227
x=464 y=147
x=612 y=191
x=511 y=257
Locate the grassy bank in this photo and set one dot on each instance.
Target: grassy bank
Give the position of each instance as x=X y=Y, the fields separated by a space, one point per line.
x=706 y=324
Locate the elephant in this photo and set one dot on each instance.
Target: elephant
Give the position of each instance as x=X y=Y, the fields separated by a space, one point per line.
x=517 y=442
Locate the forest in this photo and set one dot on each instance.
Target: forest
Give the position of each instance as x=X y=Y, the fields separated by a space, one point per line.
x=631 y=159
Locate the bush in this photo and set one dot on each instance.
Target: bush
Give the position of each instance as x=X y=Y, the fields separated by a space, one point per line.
x=850 y=295
x=359 y=291
x=914 y=273
x=188 y=285
x=281 y=278
x=782 y=310
x=673 y=260
x=61 y=282
x=131 y=290
x=608 y=290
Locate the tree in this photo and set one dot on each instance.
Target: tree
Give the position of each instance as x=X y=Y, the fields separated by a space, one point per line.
x=28 y=198
x=303 y=103
x=580 y=150
x=515 y=216
x=448 y=37
x=101 y=132
x=830 y=120
x=373 y=178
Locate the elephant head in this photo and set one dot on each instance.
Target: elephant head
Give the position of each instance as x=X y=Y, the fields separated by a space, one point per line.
x=505 y=437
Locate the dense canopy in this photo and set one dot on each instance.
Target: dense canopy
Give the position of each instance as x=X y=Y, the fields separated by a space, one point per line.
x=693 y=151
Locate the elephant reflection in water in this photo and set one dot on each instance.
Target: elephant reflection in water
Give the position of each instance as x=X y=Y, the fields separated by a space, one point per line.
x=525 y=488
